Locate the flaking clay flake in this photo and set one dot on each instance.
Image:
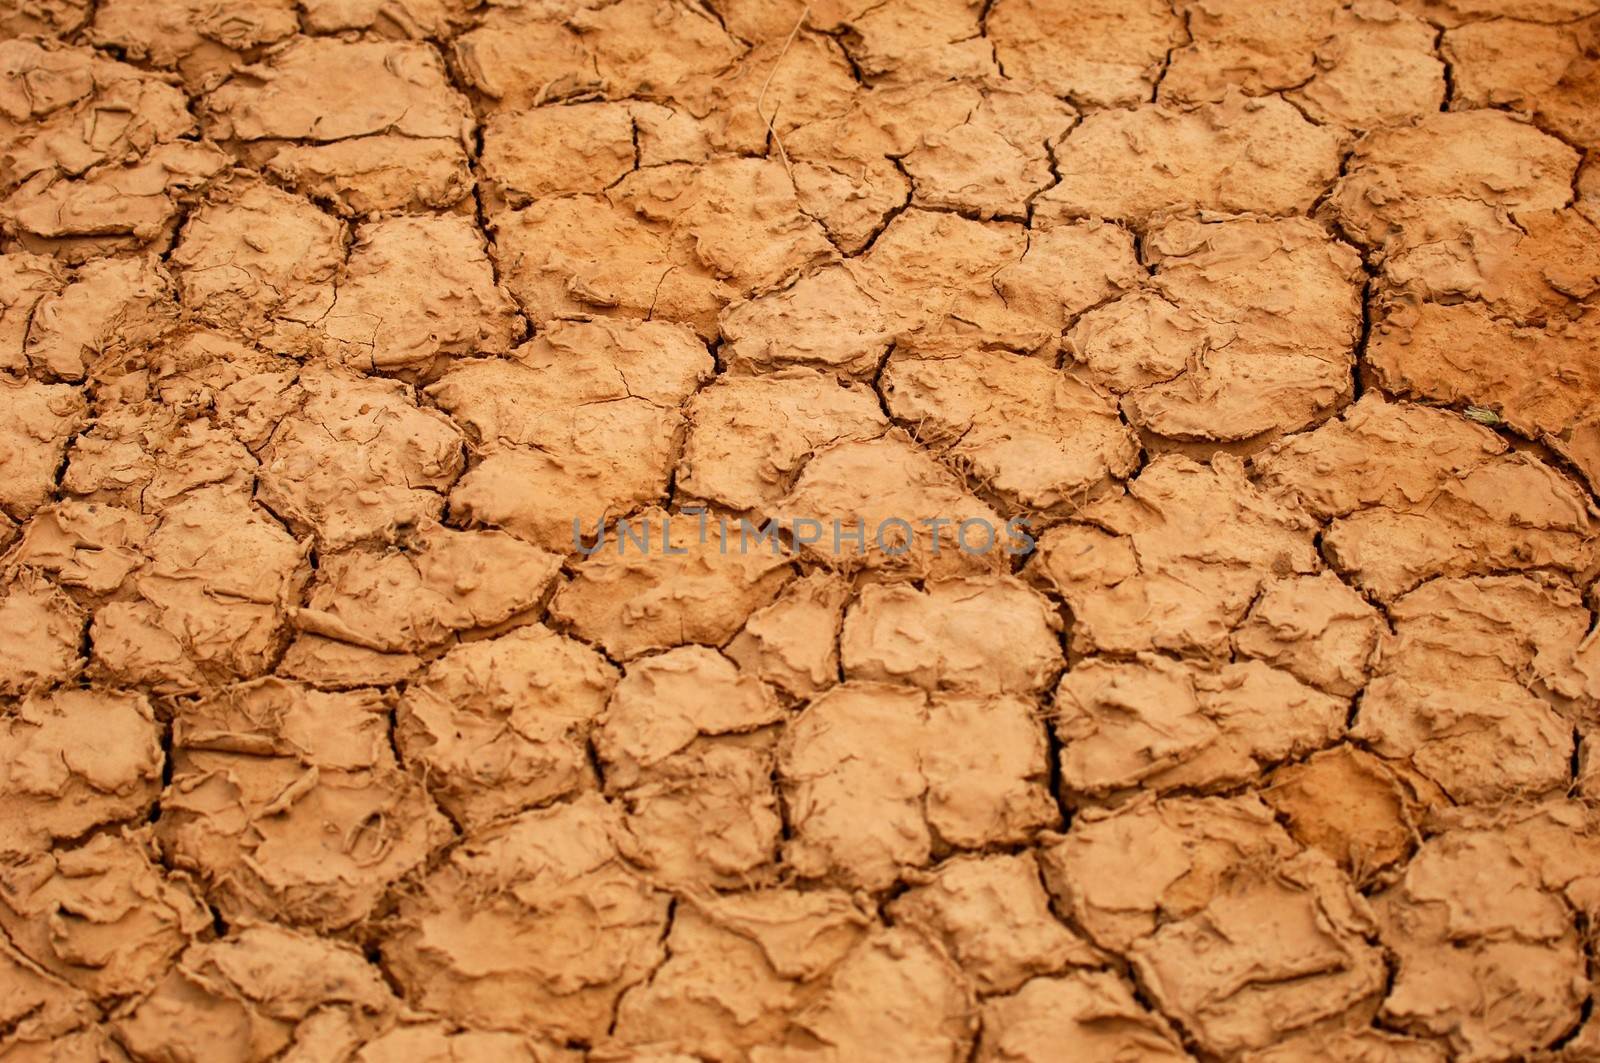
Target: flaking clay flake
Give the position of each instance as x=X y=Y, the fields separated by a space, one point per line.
x=799 y=531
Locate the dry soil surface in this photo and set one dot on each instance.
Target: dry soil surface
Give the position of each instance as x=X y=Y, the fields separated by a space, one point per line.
x=322 y=739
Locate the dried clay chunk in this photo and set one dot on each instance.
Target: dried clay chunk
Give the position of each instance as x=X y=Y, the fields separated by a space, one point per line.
x=418 y=20
x=846 y=162
x=108 y=308
x=439 y=1041
x=1239 y=957
x=511 y=930
x=369 y=175
x=1091 y=1014
x=358 y=459
x=1176 y=562
x=433 y=584
x=89 y=550
x=45 y=18
x=1498 y=280
x=212 y=599
x=25 y=280
x=41 y=420
x=1134 y=164
x=937 y=285
x=260 y=992
x=687 y=746
x=81 y=184
x=1537 y=379
x=288 y=803
x=1546 y=71
x=984 y=635
x=793 y=643
x=417 y=290
x=1444 y=180
x=208 y=375
x=874 y=776
x=113 y=207
x=46 y=1015
x=1035 y=438
x=1414 y=492
x=632 y=48
x=51 y=95
x=579 y=426
x=42 y=631
x=75 y=760
x=1258 y=48
x=680 y=582
x=256 y=256
x=1377 y=67
x=326 y=89
x=501 y=725
x=1451 y=13
x=993 y=916
x=1360 y=65
x=105 y=916
x=775 y=973
x=147 y=456
x=673 y=243
x=738 y=966
x=918 y=40
x=749 y=436
x=1484 y=911
x=1158 y=724
x=191 y=36
x=1248 y=327
x=1461 y=688
x=552 y=151
x=887 y=493
x=1118 y=46
x=1352 y=806
x=995 y=161
x=1378 y=1046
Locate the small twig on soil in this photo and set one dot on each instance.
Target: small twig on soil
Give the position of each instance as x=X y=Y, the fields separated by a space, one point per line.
x=805 y=12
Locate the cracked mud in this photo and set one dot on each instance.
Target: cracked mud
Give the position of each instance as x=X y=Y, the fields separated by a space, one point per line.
x=336 y=334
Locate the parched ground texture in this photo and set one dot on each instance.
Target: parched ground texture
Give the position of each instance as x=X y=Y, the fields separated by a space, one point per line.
x=321 y=321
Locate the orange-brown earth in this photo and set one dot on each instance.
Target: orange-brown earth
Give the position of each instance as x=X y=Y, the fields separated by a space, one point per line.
x=322 y=739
